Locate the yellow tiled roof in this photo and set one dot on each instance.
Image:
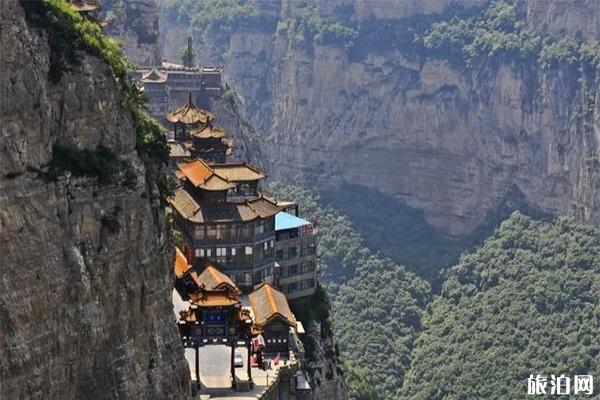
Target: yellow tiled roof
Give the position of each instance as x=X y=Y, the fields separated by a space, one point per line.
x=213 y=279
x=237 y=172
x=154 y=76
x=81 y=5
x=191 y=210
x=216 y=183
x=214 y=299
x=181 y=264
x=189 y=113
x=268 y=303
x=208 y=131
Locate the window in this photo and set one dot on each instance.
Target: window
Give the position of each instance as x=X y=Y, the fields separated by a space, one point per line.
x=208 y=252
x=279 y=255
x=199 y=253
x=234 y=231
x=211 y=232
x=233 y=251
x=199 y=232
x=221 y=251
x=266 y=246
x=248 y=250
x=221 y=232
x=293 y=252
x=248 y=278
x=247 y=230
x=259 y=228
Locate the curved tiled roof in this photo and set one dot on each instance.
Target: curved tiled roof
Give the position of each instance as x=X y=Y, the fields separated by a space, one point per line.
x=154 y=76
x=237 y=172
x=189 y=113
x=181 y=264
x=213 y=279
x=268 y=303
x=250 y=210
x=208 y=131
x=81 y=5
x=202 y=176
x=214 y=299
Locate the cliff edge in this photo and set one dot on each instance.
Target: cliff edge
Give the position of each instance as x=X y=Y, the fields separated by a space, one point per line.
x=85 y=282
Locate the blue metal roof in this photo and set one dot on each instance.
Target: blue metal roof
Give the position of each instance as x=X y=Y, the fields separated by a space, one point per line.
x=285 y=221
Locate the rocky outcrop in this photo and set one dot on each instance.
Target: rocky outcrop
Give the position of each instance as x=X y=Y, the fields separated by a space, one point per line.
x=323 y=364
x=578 y=18
x=450 y=140
x=135 y=24
x=85 y=286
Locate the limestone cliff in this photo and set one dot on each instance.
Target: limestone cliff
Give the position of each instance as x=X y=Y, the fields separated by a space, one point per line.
x=323 y=363
x=85 y=307
x=345 y=97
x=135 y=24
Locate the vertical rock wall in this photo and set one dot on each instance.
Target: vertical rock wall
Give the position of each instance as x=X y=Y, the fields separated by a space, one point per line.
x=85 y=283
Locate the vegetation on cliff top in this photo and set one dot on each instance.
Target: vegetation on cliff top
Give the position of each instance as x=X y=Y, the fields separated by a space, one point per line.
x=498 y=32
x=69 y=34
x=225 y=15
x=526 y=302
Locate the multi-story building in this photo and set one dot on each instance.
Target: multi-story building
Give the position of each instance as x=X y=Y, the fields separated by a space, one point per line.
x=169 y=84
x=295 y=255
x=225 y=219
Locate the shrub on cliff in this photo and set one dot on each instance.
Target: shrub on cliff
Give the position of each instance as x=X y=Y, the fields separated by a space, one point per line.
x=69 y=35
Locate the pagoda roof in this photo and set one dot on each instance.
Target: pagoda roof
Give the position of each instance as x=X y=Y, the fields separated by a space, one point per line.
x=202 y=176
x=213 y=279
x=248 y=210
x=268 y=303
x=237 y=172
x=154 y=76
x=208 y=131
x=181 y=264
x=189 y=113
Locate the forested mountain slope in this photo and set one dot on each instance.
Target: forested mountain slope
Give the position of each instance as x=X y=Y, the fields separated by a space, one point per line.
x=526 y=302
x=377 y=313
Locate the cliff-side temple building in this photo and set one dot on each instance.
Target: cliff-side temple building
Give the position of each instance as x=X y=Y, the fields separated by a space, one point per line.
x=243 y=256
x=224 y=218
x=296 y=256
x=168 y=85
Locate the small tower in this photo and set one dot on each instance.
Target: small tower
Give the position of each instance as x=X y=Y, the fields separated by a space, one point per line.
x=186 y=118
x=210 y=143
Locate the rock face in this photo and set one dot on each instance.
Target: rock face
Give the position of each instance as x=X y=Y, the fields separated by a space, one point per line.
x=85 y=286
x=324 y=365
x=135 y=24
x=449 y=140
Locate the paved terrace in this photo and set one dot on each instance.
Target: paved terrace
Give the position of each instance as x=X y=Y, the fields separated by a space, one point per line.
x=214 y=368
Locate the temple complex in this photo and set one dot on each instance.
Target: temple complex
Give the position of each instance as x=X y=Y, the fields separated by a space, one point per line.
x=243 y=256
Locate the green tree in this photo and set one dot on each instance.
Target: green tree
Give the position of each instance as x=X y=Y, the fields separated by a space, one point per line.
x=188 y=55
